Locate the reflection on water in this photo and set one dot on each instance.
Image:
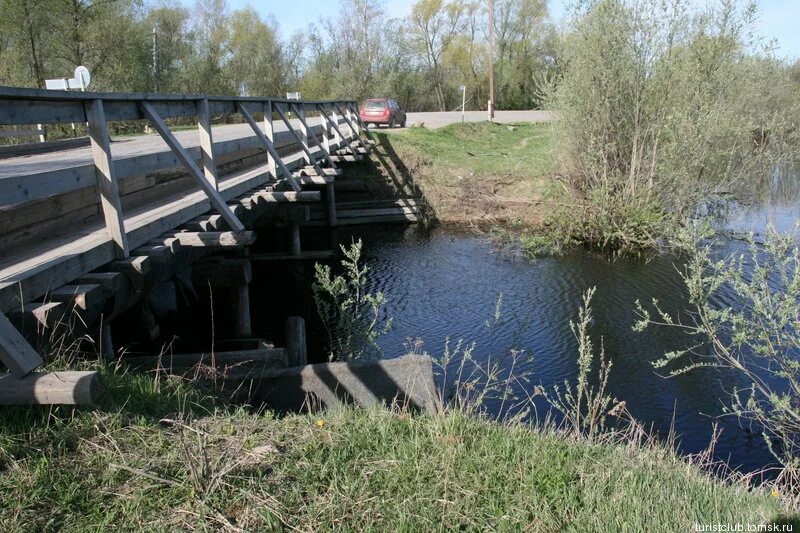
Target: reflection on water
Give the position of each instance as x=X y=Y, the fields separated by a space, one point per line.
x=445 y=285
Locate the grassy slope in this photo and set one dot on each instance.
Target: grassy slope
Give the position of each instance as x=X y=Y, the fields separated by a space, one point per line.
x=480 y=172
x=211 y=468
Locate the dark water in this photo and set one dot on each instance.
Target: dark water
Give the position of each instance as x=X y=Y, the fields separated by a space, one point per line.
x=443 y=285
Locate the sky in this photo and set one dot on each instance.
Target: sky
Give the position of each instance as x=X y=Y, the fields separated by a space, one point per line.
x=779 y=19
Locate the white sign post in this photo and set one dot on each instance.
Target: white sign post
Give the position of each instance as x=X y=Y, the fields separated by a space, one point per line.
x=79 y=82
x=463 y=100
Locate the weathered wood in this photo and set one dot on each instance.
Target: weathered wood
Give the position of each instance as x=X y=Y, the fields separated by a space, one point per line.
x=269 y=146
x=296 y=350
x=347 y=158
x=310 y=159
x=216 y=200
x=139 y=265
x=330 y=205
x=305 y=134
x=260 y=356
x=21 y=133
x=294 y=236
x=45 y=314
x=223 y=273
x=83 y=297
x=157 y=254
x=15 y=352
x=112 y=283
x=215 y=239
x=51 y=388
x=290 y=197
x=311 y=255
x=207 y=143
x=241 y=319
x=106 y=178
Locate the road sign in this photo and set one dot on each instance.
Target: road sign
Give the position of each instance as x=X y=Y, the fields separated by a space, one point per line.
x=79 y=82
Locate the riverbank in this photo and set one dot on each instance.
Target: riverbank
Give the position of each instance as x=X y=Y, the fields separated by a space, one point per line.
x=479 y=174
x=159 y=456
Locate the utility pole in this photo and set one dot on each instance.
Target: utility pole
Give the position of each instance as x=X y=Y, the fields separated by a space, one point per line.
x=491 y=61
x=155 y=60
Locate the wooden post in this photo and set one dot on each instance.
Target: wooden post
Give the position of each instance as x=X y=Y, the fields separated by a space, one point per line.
x=183 y=156
x=301 y=116
x=304 y=126
x=296 y=341
x=294 y=229
x=309 y=158
x=52 y=388
x=269 y=132
x=107 y=184
x=326 y=129
x=330 y=205
x=334 y=120
x=106 y=342
x=242 y=327
x=207 y=142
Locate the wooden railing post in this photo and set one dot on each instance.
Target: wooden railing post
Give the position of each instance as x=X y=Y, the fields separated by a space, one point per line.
x=301 y=116
x=207 y=142
x=326 y=129
x=107 y=184
x=337 y=136
x=269 y=132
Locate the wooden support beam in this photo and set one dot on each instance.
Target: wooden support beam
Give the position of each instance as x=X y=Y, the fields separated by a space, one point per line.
x=269 y=133
x=112 y=283
x=205 y=223
x=268 y=145
x=305 y=129
x=327 y=171
x=287 y=197
x=107 y=184
x=258 y=357
x=171 y=243
x=207 y=143
x=295 y=329
x=215 y=239
x=294 y=236
x=83 y=297
x=339 y=136
x=347 y=158
x=51 y=388
x=15 y=352
x=330 y=205
x=241 y=320
x=45 y=314
x=183 y=156
x=309 y=157
x=311 y=255
x=156 y=254
x=138 y=265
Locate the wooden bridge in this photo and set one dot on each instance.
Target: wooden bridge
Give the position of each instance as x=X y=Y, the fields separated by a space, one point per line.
x=84 y=230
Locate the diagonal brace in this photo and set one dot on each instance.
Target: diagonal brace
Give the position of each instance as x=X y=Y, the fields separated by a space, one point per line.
x=217 y=201
x=269 y=146
x=289 y=126
x=316 y=141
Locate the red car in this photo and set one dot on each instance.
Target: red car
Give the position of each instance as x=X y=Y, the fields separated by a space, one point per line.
x=382 y=111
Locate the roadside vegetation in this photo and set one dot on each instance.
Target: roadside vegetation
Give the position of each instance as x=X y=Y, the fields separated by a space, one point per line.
x=160 y=455
x=479 y=174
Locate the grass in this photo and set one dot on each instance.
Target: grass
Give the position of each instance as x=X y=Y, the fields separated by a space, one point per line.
x=480 y=173
x=160 y=457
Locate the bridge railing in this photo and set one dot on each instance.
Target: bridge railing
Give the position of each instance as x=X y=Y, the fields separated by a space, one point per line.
x=338 y=118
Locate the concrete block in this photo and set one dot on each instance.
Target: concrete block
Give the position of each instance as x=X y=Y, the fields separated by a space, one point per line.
x=405 y=381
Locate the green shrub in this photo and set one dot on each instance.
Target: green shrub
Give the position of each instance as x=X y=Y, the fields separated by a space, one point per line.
x=660 y=104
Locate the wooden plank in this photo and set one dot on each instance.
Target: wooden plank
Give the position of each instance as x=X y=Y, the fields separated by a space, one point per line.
x=216 y=200
x=215 y=239
x=106 y=178
x=138 y=265
x=288 y=197
x=269 y=146
x=15 y=352
x=304 y=256
x=51 y=388
x=111 y=282
x=333 y=123
x=207 y=142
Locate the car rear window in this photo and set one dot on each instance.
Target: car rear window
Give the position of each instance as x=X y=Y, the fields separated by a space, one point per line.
x=375 y=104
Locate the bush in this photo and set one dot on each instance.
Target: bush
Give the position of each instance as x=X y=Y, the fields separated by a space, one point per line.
x=660 y=104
